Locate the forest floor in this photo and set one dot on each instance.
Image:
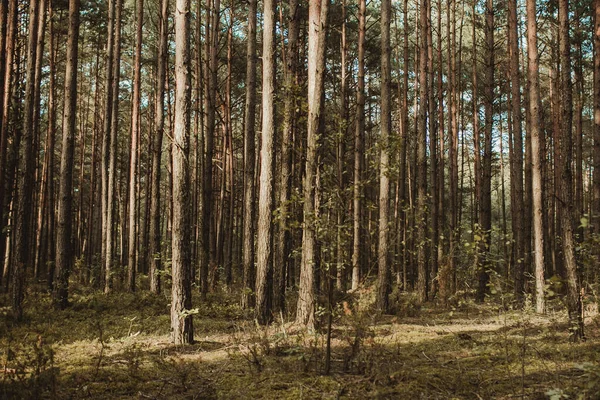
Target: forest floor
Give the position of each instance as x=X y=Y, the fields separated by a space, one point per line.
x=117 y=346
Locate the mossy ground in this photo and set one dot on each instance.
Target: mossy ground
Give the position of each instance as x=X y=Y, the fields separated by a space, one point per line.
x=117 y=346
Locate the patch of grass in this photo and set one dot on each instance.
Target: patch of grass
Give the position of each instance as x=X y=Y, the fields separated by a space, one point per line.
x=117 y=346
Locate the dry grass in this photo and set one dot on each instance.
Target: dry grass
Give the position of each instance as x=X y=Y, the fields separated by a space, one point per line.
x=118 y=346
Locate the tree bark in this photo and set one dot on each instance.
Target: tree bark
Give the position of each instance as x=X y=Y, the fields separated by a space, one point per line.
x=264 y=256
x=534 y=115
x=284 y=234
x=358 y=148
x=7 y=68
x=248 y=278
x=421 y=171
x=317 y=21
x=596 y=99
x=159 y=122
x=64 y=234
x=133 y=155
x=516 y=157
x=485 y=200
x=26 y=180
x=383 y=282
x=182 y=330
x=566 y=189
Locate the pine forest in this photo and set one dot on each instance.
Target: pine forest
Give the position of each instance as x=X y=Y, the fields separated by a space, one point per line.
x=322 y=199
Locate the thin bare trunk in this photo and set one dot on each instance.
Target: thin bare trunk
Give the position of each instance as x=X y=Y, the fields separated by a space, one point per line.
x=64 y=234
x=248 y=278
x=133 y=155
x=182 y=331
x=358 y=148
x=264 y=256
x=383 y=282
x=317 y=19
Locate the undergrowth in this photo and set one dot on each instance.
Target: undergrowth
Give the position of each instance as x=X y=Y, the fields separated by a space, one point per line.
x=117 y=346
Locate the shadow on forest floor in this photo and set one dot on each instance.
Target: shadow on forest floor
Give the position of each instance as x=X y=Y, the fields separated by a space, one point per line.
x=117 y=346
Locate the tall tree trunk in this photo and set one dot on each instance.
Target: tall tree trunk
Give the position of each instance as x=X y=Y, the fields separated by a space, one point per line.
x=37 y=129
x=64 y=234
x=340 y=154
x=421 y=171
x=26 y=180
x=485 y=200
x=516 y=156
x=566 y=189
x=108 y=103
x=248 y=278
x=264 y=259
x=358 y=148
x=182 y=330
x=453 y=150
x=133 y=155
x=318 y=11
x=535 y=133
x=596 y=155
x=46 y=207
x=111 y=209
x=208 y=230
x=7 y=83
x=159 y=122
x=383 y=281
x=284 y=235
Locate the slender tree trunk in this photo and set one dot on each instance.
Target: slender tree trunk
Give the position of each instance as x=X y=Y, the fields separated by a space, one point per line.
x=111 y=194
x=26 y=180
x=421 y=171
x=64 y=235
x=284 y=235
x=566 y=189
x=516 y=157
x=7 y=69
x=384 y=286
x=318 y=11
x=248 y=278
x=485 y=200
x=208 y=231
x=534 y=115
x=596 y=154
x=182 y=330
x=159 y=122
x=106 y=131
x=133 y=155
x=264 y=260
x=453 y=150
x=358 y=148
x=340 y=269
